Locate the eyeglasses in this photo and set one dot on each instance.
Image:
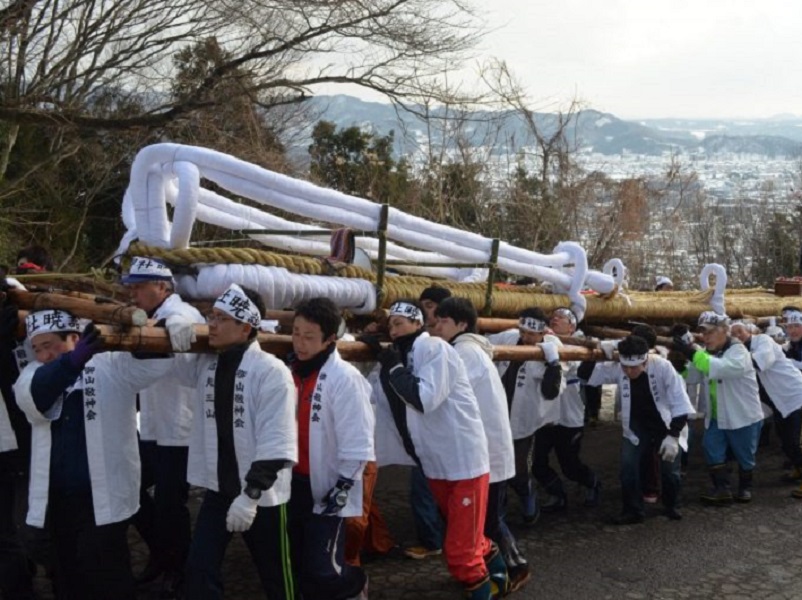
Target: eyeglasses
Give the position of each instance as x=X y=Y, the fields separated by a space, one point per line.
x=212 y=318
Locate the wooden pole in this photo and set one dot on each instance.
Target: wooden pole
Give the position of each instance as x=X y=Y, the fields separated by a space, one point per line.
x=156 y=340
x=99 y=312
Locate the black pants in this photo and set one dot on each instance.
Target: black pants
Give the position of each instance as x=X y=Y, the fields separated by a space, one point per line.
x=593 y=396
x=15 y=577
x=266 y=541
x=566 y=443
x=92 y=562
x=318 y=549
x=522 y=481
x=163 y=519
x=496 y=526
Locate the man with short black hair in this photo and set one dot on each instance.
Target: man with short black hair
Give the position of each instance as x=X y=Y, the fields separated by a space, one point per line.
x=531 y=388
x=429 y=525
x=85 y=464
x=242 y=445
x=427 y=414
x=456 y=324
x=654 y=414
x=335 y=442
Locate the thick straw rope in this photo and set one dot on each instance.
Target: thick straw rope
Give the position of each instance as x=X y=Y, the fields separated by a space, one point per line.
x=656 y=307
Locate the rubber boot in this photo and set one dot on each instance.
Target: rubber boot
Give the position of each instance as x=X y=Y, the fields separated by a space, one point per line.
x=744 y=486
x=593 y=493
x=481 y=590
x=557 y=500
x=721 y=494
x=497 y=570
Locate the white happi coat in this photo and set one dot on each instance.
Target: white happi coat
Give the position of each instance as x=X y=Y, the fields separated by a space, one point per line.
x=265 y=403
x=341 y=429
x=448 y=436
x=529 y=411
x=476 y=353
x=165 y=408
x=8 y=439
x=666 y=385
x=737 y=393
x=109 y=382
x=781 y=379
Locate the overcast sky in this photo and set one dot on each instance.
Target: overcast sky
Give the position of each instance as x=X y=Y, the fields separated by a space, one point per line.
x=654 y=58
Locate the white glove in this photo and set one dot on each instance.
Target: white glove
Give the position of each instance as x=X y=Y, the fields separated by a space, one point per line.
x=669 y=448
x=550 y=352
x=608 y=347
x=241 y=513
x=181 y=331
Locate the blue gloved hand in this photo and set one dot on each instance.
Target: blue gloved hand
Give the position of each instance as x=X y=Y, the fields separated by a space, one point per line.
x=89 y=345
x=337 y=497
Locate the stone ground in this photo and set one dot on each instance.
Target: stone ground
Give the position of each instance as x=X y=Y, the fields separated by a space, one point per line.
x=738 y=552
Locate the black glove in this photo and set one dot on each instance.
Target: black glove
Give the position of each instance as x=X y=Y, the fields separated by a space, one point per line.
x=389 y=357
x=337 y=497
x=371 y=341
x=683 y=347
x=89 y=345
x=677 y=360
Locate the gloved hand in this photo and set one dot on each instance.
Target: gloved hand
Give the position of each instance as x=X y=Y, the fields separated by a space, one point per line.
x=181 y=331
x=372 y=342
x=677 y=360
x=337 y=497
x=669 y=448
x=684 y=347
x=608 y=347
x=89 y=345
x=389 y=357
x=241 y=513
x=550 y=352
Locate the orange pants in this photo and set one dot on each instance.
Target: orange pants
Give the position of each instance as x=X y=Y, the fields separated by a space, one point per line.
x=368 y=532
x=464 y=504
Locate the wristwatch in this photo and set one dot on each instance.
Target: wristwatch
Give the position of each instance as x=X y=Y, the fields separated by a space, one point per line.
x=252 y=492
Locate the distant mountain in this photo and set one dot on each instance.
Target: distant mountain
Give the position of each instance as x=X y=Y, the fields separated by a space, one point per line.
x=594 y=131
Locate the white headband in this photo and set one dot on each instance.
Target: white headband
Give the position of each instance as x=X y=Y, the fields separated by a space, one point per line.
x=51 y=321
x=532 y=324
x=237 y=305
x=793 y=317
x=405 y=309
x=147 y=269
x=632 y=361
x=567 y=313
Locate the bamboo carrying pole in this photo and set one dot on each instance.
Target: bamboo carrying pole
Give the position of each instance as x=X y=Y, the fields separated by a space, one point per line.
x=100 y=312
x=156 y=340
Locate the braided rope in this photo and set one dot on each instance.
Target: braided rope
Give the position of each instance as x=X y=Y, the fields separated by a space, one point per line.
x=507 y=302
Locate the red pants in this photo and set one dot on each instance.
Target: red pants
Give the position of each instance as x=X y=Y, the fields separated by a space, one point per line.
x=368 y=532
x=464 y=504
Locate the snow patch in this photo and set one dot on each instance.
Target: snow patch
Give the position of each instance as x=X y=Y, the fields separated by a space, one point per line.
x=602 y=121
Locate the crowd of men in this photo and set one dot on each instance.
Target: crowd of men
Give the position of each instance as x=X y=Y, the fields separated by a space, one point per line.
x=286 y=449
